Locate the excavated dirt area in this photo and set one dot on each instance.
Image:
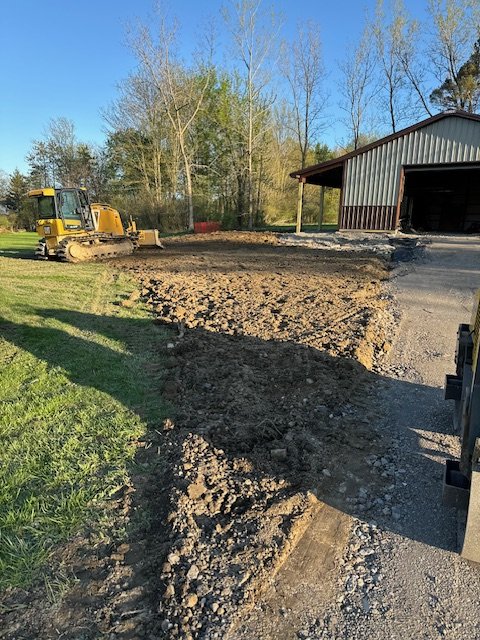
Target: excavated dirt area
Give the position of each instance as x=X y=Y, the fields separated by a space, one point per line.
x=247 y=491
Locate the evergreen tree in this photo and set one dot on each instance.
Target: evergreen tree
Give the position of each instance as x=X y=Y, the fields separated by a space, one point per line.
x=18 y=202
x=463 y=90
x=16 y=193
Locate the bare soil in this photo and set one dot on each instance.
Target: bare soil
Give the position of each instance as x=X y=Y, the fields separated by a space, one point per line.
x=246 y=491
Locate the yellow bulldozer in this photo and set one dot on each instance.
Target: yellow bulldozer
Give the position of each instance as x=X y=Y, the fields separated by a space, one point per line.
x=73 y=230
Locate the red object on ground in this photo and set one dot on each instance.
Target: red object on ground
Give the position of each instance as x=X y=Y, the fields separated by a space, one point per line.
x=206 y=227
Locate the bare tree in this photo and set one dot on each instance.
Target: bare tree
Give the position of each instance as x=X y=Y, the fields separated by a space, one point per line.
x=456 y=28
x=139 y=133
x=182 y=91
x=408 y=50
x=394 y=89
x=60 y=158
x=358 y=85
x=254 y=35
x=4 y=179
x=42 y=169
x=61 y=143
x=305 y=74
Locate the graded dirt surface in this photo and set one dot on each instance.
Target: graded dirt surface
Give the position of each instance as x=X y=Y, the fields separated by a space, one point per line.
x=247 y=284
x=244 y=499
x=270 y=374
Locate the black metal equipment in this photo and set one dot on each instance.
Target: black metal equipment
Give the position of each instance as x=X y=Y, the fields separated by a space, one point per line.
x=461 y=487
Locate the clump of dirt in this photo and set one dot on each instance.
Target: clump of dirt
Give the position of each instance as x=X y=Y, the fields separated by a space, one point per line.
x=268 y=368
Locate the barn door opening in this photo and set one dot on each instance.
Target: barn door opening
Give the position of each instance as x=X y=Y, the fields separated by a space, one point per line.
x=441 y=198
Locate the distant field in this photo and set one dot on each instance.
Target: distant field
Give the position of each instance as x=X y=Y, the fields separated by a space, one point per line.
x=76 y=393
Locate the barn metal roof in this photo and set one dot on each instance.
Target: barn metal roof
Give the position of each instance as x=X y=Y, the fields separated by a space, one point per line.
x=326 y=172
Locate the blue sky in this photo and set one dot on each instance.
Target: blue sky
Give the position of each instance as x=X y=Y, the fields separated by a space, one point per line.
x=66 y=57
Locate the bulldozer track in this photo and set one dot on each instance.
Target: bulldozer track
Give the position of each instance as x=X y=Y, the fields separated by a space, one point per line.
x=41 y=250
x=96 y=248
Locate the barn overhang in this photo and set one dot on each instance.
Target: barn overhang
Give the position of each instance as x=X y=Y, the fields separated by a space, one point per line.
x=325 y=174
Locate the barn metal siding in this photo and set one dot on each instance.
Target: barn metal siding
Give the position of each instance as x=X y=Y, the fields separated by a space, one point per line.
x=367 y=217
x=372 y=178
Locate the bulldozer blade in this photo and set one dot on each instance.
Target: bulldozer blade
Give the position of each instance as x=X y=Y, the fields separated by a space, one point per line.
x=149 y=238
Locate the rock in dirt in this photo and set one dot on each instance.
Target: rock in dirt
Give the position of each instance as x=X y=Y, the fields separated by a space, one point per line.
x=192 y=600
x=279 y=454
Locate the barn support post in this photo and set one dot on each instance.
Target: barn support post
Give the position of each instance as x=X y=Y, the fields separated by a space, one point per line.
x=301 y=182
x=322 y=207
x=401 y=188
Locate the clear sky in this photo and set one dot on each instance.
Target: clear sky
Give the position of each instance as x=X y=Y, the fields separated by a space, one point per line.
x=66 y=57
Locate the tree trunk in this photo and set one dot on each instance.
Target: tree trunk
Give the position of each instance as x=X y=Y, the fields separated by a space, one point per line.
x=240 y=200
x=250 y=166
x=188 y=178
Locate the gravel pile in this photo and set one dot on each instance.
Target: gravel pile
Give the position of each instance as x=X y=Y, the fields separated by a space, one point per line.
x=343 y=241
x=362 y=576
x=216 y=517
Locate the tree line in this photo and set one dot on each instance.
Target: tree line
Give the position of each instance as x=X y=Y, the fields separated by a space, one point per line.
x=195 y=139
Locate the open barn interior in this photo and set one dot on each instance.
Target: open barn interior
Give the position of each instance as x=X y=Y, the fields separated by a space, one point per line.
x=442 y=199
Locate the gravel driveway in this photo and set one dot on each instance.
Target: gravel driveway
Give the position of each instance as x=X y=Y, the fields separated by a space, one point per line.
x=402 y=577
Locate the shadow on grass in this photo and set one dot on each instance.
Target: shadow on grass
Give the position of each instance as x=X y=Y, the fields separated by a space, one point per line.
x=246 y=397
x=21 y=253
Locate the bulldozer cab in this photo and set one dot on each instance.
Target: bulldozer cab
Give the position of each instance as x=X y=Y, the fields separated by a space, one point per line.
x=69 y=205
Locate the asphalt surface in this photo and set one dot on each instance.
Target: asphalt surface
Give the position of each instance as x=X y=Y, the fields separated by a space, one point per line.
x=421 y=588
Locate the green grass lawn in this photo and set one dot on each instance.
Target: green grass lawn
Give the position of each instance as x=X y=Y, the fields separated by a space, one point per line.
x=16 y=245
x=76 y=390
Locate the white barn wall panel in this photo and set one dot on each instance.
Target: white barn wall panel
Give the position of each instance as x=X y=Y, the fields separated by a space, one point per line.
x=372 y=179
